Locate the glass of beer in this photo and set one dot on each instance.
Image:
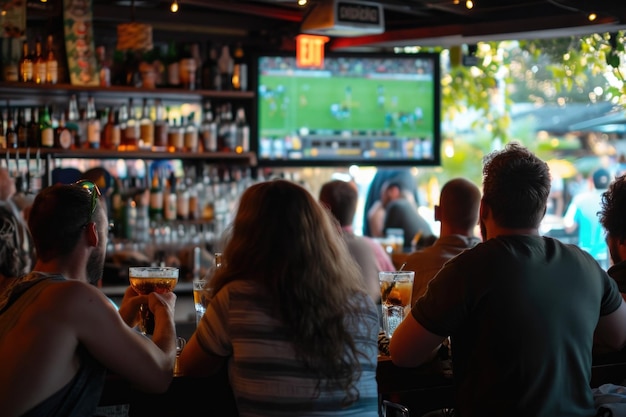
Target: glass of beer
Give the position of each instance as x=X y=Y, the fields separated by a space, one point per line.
x=147 y=279
x=201 y=297
x=396 y=288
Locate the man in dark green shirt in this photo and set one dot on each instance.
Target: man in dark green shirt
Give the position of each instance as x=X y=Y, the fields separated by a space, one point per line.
x=520 y=309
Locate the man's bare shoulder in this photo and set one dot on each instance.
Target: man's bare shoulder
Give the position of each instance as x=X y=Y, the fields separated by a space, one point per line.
x=70 y=295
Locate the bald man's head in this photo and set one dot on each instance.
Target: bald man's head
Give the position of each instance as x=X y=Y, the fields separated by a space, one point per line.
x=459 y=204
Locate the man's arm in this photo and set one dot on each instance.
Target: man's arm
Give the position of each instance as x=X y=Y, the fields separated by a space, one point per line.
x=413 y=345
x=611 y=329
x=99 y=327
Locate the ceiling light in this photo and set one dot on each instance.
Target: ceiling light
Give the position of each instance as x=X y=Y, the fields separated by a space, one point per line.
x=592 y=16
x=174 y=6
x=302 y=2
x=469 y=4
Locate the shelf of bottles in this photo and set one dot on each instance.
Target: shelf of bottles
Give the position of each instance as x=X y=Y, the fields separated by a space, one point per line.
x=147 y=112
x=161 y=214
x=132 y=129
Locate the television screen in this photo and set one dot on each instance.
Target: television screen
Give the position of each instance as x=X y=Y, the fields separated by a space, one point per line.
x=374 y=110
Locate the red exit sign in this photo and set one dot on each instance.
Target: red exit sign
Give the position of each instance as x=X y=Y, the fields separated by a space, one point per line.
x=310 y=51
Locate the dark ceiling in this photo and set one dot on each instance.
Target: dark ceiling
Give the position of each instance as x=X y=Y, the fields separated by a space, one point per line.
x=407 y=22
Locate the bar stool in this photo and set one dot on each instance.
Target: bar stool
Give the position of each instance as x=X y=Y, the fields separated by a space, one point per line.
x=391 y=409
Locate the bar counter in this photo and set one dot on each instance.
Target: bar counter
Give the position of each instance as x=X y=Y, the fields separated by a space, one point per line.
x=420 y=389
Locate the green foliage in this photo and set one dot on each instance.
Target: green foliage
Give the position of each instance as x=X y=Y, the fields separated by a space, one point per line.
x=591 y=61
x=543 y=71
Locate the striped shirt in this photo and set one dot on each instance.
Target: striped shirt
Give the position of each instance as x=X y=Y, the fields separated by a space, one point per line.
x=266 y=378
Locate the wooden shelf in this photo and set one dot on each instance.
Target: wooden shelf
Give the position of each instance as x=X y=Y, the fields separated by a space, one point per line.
x=17 y=92
x=247 y=158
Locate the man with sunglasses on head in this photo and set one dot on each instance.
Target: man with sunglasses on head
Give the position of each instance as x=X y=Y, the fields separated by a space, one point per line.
x=59 y=332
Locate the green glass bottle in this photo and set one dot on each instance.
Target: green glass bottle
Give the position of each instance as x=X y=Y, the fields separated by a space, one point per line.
x=45 y=129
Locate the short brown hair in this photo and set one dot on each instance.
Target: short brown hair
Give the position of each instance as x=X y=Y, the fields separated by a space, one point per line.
x=57 y=218
x=340 y=197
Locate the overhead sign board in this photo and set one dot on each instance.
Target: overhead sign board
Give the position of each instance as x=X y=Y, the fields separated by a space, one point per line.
x=345 y=18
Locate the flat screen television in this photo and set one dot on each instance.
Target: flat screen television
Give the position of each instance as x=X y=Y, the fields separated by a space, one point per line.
x=359 y=109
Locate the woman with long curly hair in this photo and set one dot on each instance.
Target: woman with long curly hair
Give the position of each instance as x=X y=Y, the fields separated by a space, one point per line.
x=288 y=313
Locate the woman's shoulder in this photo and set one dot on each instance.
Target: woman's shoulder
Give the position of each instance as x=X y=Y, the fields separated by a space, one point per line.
x=241 y=288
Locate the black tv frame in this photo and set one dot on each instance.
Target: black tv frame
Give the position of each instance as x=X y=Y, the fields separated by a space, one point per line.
x=330 y=162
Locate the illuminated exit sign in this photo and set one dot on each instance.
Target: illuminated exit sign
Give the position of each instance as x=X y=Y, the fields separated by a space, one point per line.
x=310 y=51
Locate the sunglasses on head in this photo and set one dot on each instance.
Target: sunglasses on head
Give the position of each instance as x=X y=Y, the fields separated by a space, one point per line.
x=93 y=191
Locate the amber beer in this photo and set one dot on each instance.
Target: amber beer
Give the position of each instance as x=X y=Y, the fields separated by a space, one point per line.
x=201 y=297
x=148 y=285
x=145 y=280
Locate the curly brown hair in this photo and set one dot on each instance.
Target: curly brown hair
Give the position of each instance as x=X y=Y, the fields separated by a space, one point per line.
x=613 y=208
x=516 y=185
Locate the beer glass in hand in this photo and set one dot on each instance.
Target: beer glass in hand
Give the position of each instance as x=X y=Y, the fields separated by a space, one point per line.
x=147 y=279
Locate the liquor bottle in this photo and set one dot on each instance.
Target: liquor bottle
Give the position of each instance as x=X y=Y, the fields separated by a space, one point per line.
x=146 y=125
x=52 y=65
x=73 y=121
x=194 y=204
x=118 y=73
x=160 y=126
x=187 y=68
x=122 y=121
x=182 y=201
x=170 y=203
x=26 y=64
x=159 y=67
x=191 y=134
x=11 y=132
x=39 y=64
x=131 y=70
x=208 y=129
x=131 y=133
x=104 y=74
x=33 y=128
x=93 y=124
x=156 y=198
x=210 y=70
x=240 y=69
x=175 y=135
x=45 y=127
x=82 y=127
x=242 y=135
x=23 y=140
x=225 y=64
x=11 y=68
x=227 y=130
x=195 y=53
x=173 y=66
x=111 y=136
x=63 y=136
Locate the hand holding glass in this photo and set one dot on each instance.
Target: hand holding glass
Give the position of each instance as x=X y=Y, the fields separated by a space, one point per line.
x=396 y=288
x=147 y=279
